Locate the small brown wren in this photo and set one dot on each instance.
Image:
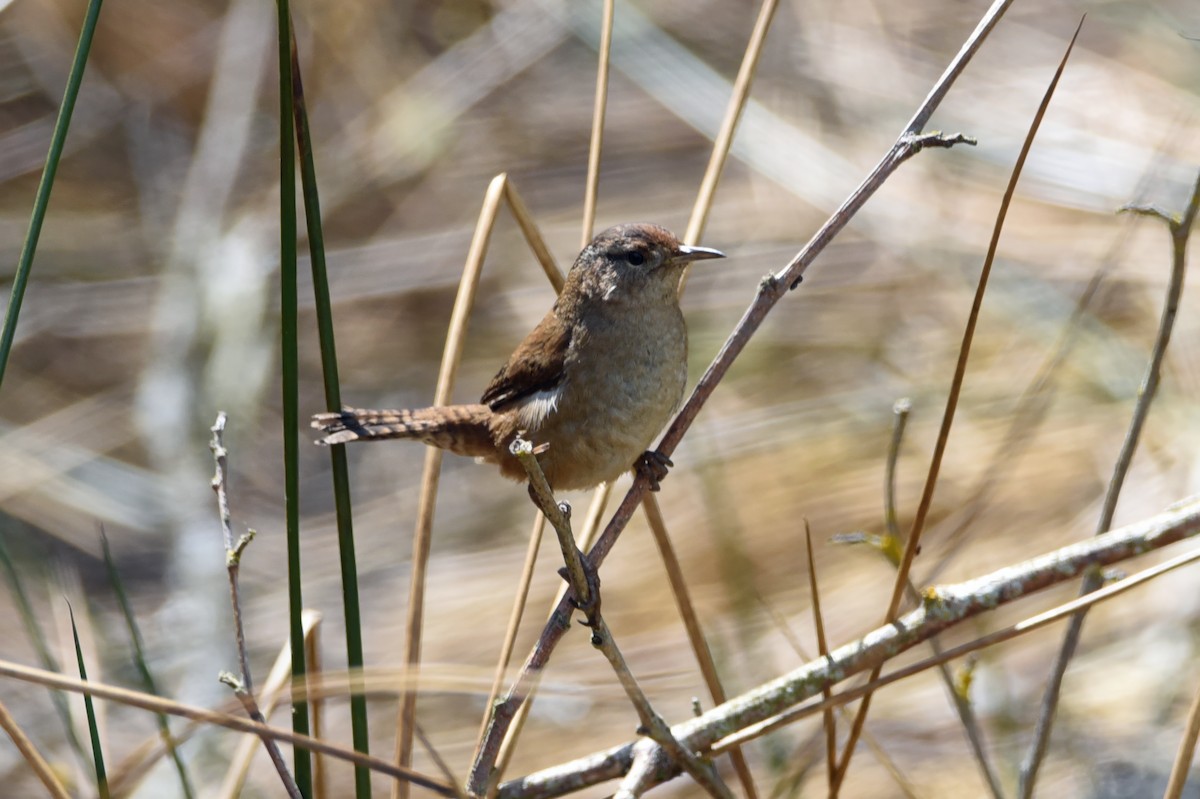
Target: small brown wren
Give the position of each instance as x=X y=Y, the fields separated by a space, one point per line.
x=591 y=386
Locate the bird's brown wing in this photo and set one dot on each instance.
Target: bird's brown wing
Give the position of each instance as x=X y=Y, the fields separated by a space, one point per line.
x=537 y=365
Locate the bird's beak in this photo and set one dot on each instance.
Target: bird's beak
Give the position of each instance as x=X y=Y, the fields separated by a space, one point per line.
x=689 y=253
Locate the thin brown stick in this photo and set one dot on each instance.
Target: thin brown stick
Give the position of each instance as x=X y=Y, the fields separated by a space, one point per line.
x=900 y=409
x=960 y=369
x=1187 y=751
x=518 y=612
x=733 y=115
x=316 y=707
x=586 y=594
x=598 y=112
x=691 y=623
x=1180 y=228
x=427 y=501
x=251 y=707
x=533 y=236
x=41 y=769
x=439 y=761
x=827 y=719
x=508 y=744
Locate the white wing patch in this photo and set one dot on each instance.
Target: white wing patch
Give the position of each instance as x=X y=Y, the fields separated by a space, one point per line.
x=534 y=409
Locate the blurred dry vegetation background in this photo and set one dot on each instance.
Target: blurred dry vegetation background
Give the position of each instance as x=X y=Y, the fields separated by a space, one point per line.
x=153 y=305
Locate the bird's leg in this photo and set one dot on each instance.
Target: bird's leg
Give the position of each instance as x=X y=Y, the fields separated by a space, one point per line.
x=653 y=465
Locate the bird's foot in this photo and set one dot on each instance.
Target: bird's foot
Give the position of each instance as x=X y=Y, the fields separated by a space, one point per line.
x=653 y=465
x=590 y=609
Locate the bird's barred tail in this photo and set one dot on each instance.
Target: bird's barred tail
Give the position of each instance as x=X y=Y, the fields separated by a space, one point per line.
x=461 y=429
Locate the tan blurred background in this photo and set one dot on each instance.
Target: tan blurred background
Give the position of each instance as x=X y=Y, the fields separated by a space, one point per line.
x=153 y=305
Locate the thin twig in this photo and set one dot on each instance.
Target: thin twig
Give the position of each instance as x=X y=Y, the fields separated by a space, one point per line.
x=586 y=593
x=272 y=690
x=962 y=702
x=438 y=761
x=653 y=725
x=1180 y=229
x=559 y=517
x=912 y=545
x=243 y=687
x=251 y=707
x=885 y=760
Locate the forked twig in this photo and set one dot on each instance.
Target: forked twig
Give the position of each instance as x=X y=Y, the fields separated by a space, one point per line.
x=586 y=594
x=1180 y=229
x=243 y=687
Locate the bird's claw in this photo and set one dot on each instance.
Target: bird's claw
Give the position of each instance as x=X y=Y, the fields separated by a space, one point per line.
x=654 y=466
x=591 y=576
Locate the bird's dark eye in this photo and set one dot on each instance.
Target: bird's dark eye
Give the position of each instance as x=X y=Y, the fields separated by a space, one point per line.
x=635 y=258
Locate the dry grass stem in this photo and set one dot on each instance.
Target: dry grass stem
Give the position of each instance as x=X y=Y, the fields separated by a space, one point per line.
x=518 y=612
x=427 y=500
x=827 y=719
x=155 y=704
x=596 y=143
x=733 y=115
x=41 y=769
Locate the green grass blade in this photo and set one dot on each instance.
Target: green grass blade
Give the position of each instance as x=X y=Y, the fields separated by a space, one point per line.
x=42 y=200
x=333 y=401
x=97 y=752
x=139 y=660
x=34 y=630
x=290 y=359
